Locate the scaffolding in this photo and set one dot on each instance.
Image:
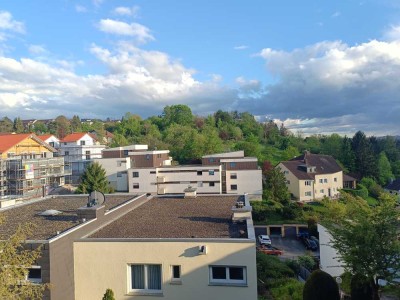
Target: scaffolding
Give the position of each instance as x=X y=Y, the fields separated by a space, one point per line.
x=33 y=177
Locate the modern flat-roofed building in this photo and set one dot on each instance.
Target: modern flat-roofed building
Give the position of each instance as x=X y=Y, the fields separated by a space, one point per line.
x=174 y=248
x=225 y=173
x=178 y=248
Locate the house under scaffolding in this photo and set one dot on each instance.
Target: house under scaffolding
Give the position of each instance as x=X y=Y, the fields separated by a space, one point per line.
x=31 y=177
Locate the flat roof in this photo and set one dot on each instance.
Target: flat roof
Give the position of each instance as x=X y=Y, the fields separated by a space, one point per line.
x=166 y=217
x=46 y=227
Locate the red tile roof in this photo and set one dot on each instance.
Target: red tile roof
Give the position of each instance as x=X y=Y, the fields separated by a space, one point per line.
x=44 y=137
x=73 y=137
x=9 y=140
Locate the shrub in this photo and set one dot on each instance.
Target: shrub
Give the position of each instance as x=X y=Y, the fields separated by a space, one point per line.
x=361 y=191
x=307 y=262
x=312 y=225
x=291 y=211
x=108 y=295
x=288 y=289
x=360 y=288
x=320 y=285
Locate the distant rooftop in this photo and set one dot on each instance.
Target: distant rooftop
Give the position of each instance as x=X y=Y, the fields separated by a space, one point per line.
x=46 y=227
x=226 y=154
x=201 y=217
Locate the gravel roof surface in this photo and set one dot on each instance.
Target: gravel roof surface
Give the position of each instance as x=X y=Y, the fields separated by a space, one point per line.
x=202 y=217
x=47 y=226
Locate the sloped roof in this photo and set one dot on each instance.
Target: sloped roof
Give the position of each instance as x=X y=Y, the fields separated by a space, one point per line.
x=324 y=164
x=394 y=185
x=45 y=137
x=8 y=141
x=73 y=137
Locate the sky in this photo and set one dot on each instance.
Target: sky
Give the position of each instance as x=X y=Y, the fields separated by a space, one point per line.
x=317 y=66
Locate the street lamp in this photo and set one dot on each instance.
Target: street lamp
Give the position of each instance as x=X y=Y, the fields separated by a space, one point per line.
x=339 y=281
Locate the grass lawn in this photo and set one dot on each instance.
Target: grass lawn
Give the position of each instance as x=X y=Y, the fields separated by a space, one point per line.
x=371 y=201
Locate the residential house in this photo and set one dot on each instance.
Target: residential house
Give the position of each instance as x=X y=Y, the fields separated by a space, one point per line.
x=393 y=188
x=141 y=247
x=312 y=176
x=79 y=150
x=29 y=166
x=51 y=140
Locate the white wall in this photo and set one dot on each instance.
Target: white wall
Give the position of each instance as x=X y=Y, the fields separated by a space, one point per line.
x=248 y=181
x=328 y=255
x=116 y=172
x=105 y=264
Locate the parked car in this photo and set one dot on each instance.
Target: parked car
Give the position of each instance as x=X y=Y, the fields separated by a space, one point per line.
x=314 y=239
x=303 y=234
x=309 y=244
x=269 y=250
x=264 y=240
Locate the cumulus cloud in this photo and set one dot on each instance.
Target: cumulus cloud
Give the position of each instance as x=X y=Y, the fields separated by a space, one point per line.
x=126 y=11
x=136 y=30
x=332 y=81
x=7 y=23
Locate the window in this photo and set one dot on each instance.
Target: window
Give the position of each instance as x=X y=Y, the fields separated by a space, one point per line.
x=232 y=164
x=307 y=182
x=228 y=275
x=211 y=184
x=43 y=181
x=158 y=155
x=233 y=176
x=152 y=172
x=199 y=173
x=211 y=160
x=321 y=180
x=135 y=174
x=322 y=191
x=145 y=278
x=34 y=274
x=325 y=180
x=119 y=163
x=335 y=179
x=234 y=187
x=308 y=194
x=210 y=172
x=66 y=153
x=176 y=273
x=200 y=184
x=87 y=154
x=135 y=185
x=65 y=143
x=51 y=144
x=148 y=156
x=287 y=181
x=125 y=152
x=29 y=183
x=119 y=174
x=82 y=143
x=285 y=172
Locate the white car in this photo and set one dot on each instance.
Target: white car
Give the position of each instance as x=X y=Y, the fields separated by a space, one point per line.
x=264 y=240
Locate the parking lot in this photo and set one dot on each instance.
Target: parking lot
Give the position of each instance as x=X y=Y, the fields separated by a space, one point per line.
x=291 y=246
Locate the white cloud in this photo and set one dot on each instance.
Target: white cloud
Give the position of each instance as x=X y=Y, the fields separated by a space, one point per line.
x=241 y=47
x=8 y=23
x=136 y=30
x=392 y=34
x=336 y=14
x=330 y=80
x=126 y=11
x=97 y=2
x=80 y=8
x=37 y=49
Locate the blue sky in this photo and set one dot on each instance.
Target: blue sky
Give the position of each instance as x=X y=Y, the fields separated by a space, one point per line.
x=317 y=66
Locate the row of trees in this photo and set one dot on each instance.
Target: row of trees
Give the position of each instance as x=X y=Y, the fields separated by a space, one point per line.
x=189 y=136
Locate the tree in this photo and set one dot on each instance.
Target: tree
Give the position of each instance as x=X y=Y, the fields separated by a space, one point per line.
x=94 y=179
x=39 y=127
x=320 y=285
x=76 y=125
x=384 y=169
x=275 y=186
x=365 y=162
x=6 y=125
x=360 y=288
x=18 y=125
x=109 y=295
x=366 y=237
x=15 y=261
x=178 y=114
x=62 y=126
x=347 y=156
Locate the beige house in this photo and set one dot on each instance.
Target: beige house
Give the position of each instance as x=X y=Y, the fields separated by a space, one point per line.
x=312 y=176
x=173 y=248
x=141 y=247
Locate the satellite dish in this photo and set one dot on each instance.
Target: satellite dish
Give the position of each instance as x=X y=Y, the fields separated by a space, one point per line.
x=96 y=199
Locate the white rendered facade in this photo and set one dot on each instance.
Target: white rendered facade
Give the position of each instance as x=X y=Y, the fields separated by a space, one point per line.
x=116 y=172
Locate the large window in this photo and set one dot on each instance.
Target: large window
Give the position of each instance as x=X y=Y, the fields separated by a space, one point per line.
x=234 y=187
x=145 y=278
x=34 y=274
x=228 y=275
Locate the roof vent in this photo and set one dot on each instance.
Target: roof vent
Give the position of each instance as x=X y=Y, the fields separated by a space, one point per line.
x=190 y=192
x=50 y=212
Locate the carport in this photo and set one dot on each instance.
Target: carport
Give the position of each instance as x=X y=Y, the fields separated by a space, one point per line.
x=282 y=228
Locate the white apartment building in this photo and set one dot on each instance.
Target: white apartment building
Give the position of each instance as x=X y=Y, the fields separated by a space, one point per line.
x=116 y=172
x=79 y=149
